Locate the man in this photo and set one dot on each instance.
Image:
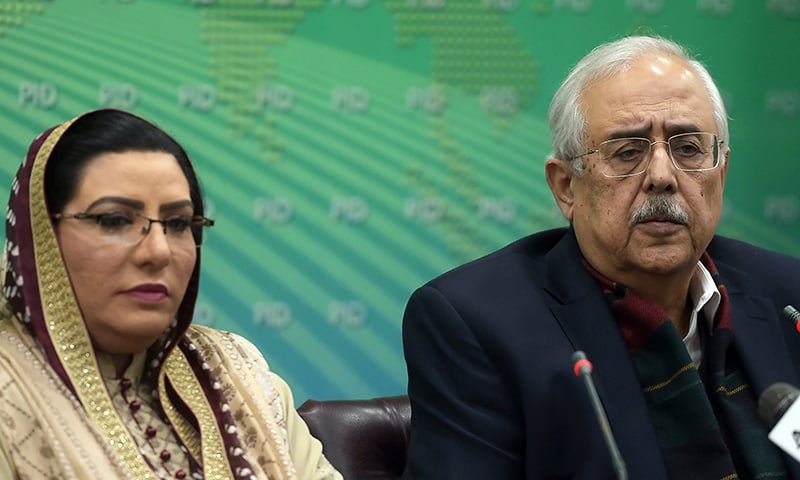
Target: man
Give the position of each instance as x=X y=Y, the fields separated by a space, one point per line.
x=683 y=327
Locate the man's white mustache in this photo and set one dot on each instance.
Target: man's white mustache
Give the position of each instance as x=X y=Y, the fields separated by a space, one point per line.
x=661 y=208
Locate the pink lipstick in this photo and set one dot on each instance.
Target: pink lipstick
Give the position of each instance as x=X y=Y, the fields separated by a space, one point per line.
x=148 y=292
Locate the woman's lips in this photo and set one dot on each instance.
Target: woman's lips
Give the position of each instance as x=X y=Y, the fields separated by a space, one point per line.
x=148 y=293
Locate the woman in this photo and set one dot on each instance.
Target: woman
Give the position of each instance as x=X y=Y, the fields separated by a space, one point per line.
x=101 y=374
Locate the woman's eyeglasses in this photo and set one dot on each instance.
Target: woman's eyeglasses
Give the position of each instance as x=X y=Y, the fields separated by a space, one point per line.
x=129 y=228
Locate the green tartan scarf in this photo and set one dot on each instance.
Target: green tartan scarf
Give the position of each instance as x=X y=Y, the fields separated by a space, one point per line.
x=705 y=420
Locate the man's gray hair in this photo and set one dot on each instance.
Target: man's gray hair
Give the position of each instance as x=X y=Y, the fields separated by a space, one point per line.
x=567 y=123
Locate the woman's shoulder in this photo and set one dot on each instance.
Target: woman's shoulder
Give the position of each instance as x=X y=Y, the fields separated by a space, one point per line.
x=225 y=343
x=240 y=366
x=238 y=355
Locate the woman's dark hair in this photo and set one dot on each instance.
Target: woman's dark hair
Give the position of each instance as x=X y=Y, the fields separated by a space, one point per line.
x=107 y=131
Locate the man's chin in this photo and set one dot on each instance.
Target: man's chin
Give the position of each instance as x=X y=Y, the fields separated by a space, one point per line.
x=664 y=258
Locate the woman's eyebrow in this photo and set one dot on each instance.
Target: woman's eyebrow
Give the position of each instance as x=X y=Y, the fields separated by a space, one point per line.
x=139 y=205
x=176 y=205
x=120 y=200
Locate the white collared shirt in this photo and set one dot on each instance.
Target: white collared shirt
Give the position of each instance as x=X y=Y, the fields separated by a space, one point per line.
x=706 y=297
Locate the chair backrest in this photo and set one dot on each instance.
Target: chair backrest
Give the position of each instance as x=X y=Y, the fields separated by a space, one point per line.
x=363 y=439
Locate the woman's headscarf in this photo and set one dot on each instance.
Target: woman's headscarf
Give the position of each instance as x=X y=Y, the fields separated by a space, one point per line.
x=41 y=298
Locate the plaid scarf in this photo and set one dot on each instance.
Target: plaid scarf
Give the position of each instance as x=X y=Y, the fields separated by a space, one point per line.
x=705 y=420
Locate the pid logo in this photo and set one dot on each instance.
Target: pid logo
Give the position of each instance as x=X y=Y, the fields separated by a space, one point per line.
x=785 y=103
x=118 y=95
x=41 y=95
x=347 y=313
x=351 y=99
x=276 y=3
x=717 y=7
x=577 y=6
x=203 y=314
x=500 y=100
x=500 y=5
x=353 y=210
x=276 y=97
x=201 y=98
x=425 y=209
x=501 y=210
x=432 y=100
x=356 y=4
x=427 y=4
x=782 y=208
x=277 y=315
x=278 y=210
x=649 y=7
x=210 y=209
x=787 y=8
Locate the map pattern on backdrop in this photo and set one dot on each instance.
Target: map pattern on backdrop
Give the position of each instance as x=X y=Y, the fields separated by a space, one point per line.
x=352 y=149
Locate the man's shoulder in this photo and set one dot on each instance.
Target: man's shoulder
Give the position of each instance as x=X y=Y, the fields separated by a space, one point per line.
x=755 y=269
x=748 y=257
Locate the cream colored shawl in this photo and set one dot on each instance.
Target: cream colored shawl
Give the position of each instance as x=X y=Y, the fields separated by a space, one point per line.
x=57 y=416
x=44 y=432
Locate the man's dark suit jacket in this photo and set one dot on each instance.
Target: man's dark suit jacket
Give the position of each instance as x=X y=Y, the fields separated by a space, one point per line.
x=489 y=346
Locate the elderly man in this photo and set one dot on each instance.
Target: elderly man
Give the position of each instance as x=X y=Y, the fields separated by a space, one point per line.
x=683 y=327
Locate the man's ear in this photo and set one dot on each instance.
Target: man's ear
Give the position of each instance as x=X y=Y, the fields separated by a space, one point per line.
x=559 y=176
x=727 y=159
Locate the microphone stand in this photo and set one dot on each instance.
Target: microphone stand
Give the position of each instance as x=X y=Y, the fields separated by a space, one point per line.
x=583 y=368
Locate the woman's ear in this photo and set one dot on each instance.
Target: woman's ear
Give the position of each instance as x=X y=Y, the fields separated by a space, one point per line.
x=559 y=176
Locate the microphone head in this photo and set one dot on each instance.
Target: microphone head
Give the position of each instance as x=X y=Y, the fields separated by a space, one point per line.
x=580 y=364
x=793 y=315
x=578 y=355
x=774 y=402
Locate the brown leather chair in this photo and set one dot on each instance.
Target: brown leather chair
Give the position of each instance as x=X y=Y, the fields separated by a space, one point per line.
x=363 y=439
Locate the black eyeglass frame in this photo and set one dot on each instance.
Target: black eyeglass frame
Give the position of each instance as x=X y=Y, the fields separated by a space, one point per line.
x=197 y=222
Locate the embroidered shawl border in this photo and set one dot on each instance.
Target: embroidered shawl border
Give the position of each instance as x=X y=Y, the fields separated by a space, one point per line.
x=65 y=326
x=180 y=374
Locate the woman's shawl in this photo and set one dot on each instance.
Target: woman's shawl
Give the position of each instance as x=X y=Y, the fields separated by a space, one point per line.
x=219 y=414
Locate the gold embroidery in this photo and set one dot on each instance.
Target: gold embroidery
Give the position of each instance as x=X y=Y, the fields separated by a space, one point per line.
x=215 y=459
x=675 y=375
x=264 y=419
x=65 y=326
x=729 y=393
x=182 y=427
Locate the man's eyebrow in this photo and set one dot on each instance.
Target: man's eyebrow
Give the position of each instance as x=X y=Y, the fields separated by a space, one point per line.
x=682 y=127
x=672 y=128
x=639 y=132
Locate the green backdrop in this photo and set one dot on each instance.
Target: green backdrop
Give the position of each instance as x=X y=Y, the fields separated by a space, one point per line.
x=352 y=149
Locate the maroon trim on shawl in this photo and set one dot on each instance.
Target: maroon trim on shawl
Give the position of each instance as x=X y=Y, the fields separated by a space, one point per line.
x=216 y=398
x=638 y=317
x=635 y=329
x=24 y=264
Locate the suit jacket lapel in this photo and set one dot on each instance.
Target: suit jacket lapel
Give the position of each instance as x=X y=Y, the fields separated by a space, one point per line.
x=586 y=319
x=583 y=313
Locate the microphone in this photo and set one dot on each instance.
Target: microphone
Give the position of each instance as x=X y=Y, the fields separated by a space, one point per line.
x=583 y=368
x=781 y=413
x=793 y=315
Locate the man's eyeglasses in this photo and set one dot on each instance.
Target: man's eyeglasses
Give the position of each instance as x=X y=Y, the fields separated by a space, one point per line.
x=125 y=228
x=627 y=157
